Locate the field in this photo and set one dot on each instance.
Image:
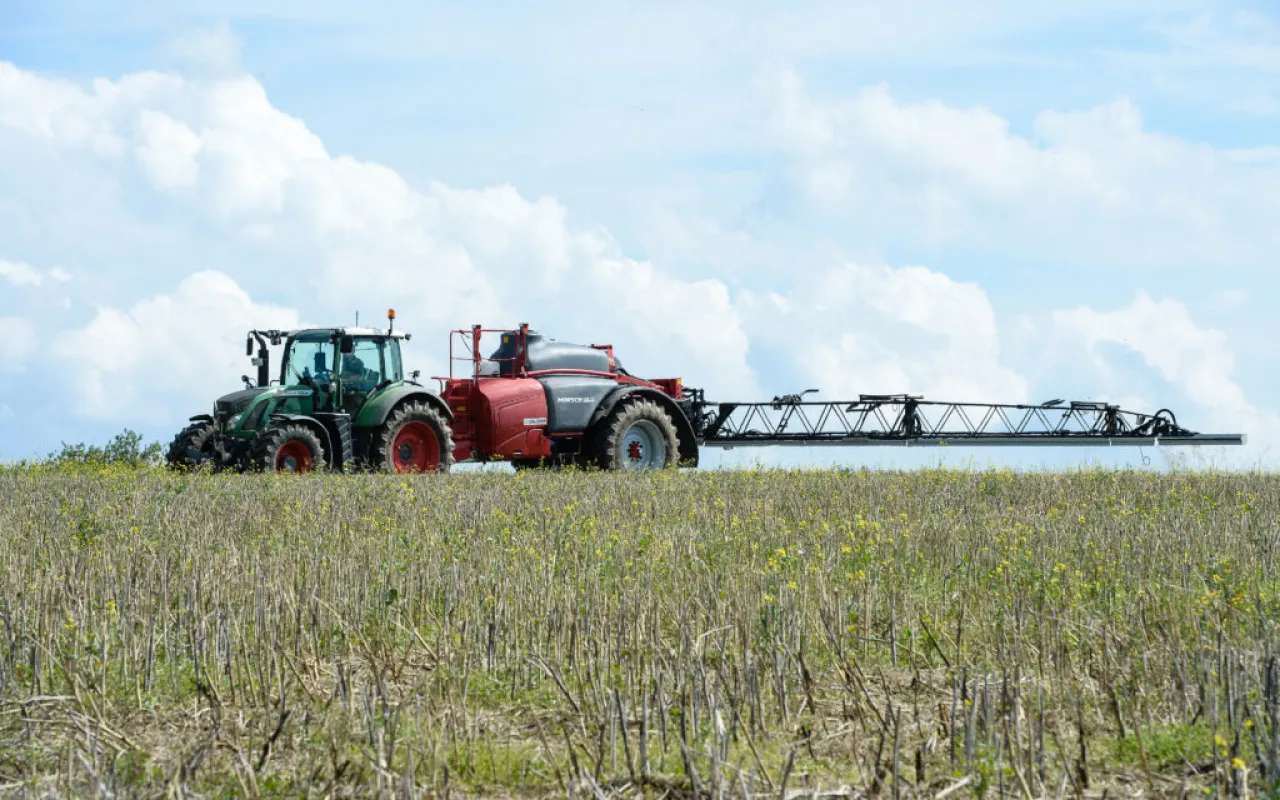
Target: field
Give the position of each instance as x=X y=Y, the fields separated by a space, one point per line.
x=742 y=634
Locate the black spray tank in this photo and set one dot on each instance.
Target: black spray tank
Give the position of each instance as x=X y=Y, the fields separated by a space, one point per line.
x=547 y=353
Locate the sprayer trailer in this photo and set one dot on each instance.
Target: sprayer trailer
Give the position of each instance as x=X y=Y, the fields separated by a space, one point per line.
x=342 y=401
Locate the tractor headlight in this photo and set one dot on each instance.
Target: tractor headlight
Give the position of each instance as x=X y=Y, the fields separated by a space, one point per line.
x=234 y=422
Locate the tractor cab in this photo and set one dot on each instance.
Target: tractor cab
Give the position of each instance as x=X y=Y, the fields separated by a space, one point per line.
x=342 y=367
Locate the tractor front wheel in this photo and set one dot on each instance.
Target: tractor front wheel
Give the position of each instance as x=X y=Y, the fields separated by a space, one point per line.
x=289 y=448
x=416 y=438
x=195 y=438
x=638 y=436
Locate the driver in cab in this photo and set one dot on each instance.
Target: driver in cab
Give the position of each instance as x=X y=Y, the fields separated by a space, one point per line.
x=354 y=376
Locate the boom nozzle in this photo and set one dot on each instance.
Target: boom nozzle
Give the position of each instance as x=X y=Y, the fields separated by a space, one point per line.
x=791 y=399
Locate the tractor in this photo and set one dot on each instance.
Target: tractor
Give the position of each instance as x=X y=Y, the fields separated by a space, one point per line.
x=341 y=402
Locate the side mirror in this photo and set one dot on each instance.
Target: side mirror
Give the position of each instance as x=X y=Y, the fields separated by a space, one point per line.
x=248 y=345
x=347 y=345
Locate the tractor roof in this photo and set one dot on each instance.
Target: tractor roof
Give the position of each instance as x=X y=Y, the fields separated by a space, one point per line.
x=308 y=333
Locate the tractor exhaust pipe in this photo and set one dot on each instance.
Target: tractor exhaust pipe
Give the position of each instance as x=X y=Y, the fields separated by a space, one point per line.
x=263 y=361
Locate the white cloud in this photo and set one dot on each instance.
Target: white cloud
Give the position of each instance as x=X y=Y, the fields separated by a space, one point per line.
x=62 y=112
x=880 y=330
x=355 y=235
x=168 y=152
x=206 y=51
x=1229 y=300
x=1241 y=39
x=334 y=234
x=1199 y=361
x=17 y=342
x=1093 y=186
x=1220 y=59
x=181 y=348
x=687 y=329
x=22 y=274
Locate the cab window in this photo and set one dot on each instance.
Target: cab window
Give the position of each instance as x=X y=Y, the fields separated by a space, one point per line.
x=362 y=368
x=309 y=360
x=391 y=357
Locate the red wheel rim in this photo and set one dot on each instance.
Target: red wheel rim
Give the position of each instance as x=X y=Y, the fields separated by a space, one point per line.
x=415 y=448
x=294 y=456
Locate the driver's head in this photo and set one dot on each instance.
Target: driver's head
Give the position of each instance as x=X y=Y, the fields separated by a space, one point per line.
x=352 y=364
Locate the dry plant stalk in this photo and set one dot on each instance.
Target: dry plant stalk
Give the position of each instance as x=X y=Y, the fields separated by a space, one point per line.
x=741 y=634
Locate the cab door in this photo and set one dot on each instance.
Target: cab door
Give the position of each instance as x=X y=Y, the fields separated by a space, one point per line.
x=360 y=371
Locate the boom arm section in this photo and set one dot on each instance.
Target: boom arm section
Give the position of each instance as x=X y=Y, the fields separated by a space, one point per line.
x=910 y=420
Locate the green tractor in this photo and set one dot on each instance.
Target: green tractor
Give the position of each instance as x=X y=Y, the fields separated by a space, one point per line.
x=342 y=402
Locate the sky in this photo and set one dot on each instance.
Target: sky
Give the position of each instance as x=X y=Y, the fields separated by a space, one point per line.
x=992 y=201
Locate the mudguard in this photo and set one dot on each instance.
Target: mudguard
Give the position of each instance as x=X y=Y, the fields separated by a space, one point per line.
x=572 y=400
x=201 y=418
x=377 y=408
x=688 y=443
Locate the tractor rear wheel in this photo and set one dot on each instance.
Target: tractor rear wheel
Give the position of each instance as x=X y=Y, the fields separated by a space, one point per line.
x=638 y=436
x=416 y=438
x=289 y=448
x=197 y=436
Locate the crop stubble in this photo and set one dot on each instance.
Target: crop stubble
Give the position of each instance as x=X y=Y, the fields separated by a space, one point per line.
x=730 y=634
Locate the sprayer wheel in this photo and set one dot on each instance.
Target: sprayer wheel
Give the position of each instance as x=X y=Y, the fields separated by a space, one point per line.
x=638 y=436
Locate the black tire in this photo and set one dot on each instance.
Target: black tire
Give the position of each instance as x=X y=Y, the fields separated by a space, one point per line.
x=197 y=436
x=404 y=443
x=613 y=451
x=288 y=448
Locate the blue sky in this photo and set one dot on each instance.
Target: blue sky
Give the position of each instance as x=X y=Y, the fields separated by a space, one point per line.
x=1000 y=201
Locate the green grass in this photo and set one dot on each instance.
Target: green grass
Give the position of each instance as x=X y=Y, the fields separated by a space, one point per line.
x=535 y=634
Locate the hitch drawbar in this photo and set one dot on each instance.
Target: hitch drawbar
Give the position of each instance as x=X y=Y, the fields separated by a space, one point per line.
x=910 y=420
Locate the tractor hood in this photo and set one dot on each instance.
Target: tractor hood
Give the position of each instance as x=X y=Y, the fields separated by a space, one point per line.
x=235 y=402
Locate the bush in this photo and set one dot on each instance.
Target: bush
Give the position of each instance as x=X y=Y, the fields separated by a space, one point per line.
x=126 y=449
